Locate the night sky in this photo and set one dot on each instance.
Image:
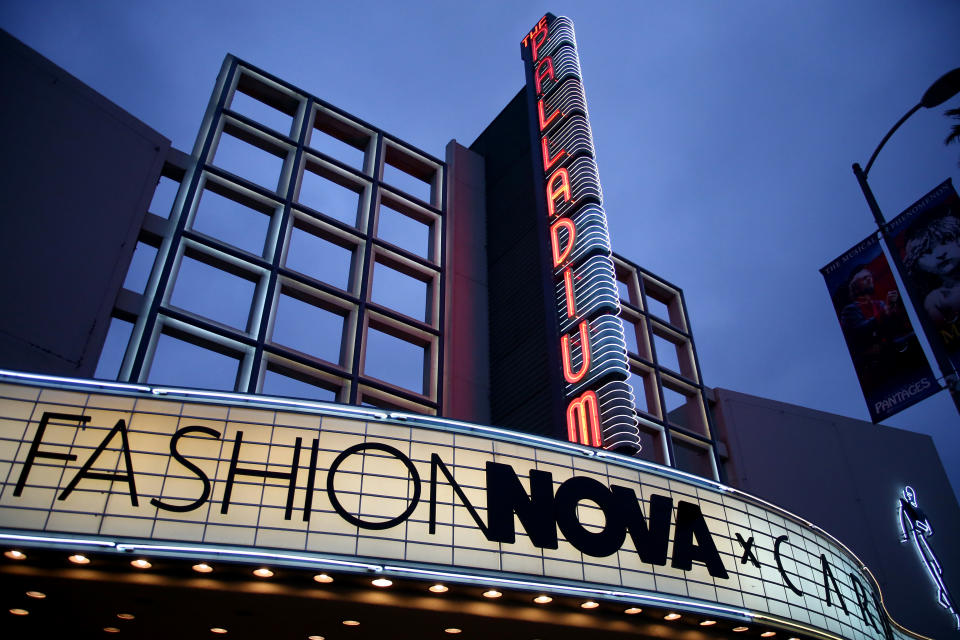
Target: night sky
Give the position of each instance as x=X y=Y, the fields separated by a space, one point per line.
x=724 y=131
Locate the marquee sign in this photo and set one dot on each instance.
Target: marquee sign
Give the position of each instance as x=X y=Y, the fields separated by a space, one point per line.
x=142 y=468
x=593 y=350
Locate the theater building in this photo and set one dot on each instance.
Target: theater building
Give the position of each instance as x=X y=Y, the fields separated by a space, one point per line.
x=311 y=381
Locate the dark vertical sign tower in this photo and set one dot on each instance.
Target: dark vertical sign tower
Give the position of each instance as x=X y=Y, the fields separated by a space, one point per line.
x=599 y=403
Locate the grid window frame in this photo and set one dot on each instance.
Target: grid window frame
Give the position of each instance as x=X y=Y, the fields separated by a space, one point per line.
x=252 y=344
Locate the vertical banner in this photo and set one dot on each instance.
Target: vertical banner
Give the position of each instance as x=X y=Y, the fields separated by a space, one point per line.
x=927 y=239
x=891 y=366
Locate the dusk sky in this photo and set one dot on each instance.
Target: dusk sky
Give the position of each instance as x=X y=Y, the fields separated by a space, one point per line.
x=724 y=131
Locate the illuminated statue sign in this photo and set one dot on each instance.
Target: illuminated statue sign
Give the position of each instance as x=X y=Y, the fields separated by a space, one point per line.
x=916 y=529
x=593 y=351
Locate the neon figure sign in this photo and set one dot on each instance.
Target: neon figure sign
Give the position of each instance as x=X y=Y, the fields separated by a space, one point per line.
x=593 y=350
x=915 y=526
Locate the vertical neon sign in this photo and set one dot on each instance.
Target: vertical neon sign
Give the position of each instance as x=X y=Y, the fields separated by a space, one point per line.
x=593 y=351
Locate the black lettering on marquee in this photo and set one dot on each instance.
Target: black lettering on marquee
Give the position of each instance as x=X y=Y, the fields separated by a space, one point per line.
x=783 y=573
x=748 y=551
x=311 y=480
x=366 y=524
x=437 y=463
x=593 y=543
x=235 y=471
x=862 y=602
x=84 y=472
x=506 y=496
x=35 y=451
x=829 y=580
x=689 y=525
x=197 y=471
x=650 y=541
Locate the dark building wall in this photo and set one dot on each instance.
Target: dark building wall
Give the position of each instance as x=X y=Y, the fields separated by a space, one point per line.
x=524 y=361
x=76 y=177
x=846 y=476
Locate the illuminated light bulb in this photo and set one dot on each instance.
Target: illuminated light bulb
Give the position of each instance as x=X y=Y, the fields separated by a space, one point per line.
x=543 y=599
x=14 y=554
x=202 y=567
x=768 y=634
x=708 y=623
x=740 y=629
x=381 y=582
x=351 y=623
x=141 y=564
x=263 y=572
x=217 y=630
x=453 y=630
x=126 y=616
x=633 y=611
x=671 y=616
x=111 y=630
x=439 y=588
x=314 y=637
x=323 y=578
x=19 y=612
x=589 y=604
x=491 y=593
x=39 y=595
x=79 y=559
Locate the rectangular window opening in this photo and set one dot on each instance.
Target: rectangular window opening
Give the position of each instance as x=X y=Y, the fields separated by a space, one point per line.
x=185 y=361
x=330 y=194
x=684 y=407
x=652 y=443
x=395 y=360
x=322 y=258
x=304 y=324
x=232 y=218
x=247 y=102
x=244 y=159
x=667 y=353
x=401 y=226
x=339 y=139
x=693 y=457
x=410 y=174
x=401 y=292
x=203 y=287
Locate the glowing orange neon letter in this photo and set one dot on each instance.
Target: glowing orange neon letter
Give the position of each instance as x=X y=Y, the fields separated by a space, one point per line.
x=541 y=74
x=568 y=374
x=535 y=43
x=583 y=420
x=558 y=255
x=554 y=190
x=547 y=160
x=568 y=292
x=544 y=123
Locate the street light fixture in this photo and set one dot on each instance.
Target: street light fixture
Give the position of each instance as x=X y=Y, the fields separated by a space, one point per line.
x=945 y=87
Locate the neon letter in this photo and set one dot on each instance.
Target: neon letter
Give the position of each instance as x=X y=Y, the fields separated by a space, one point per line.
x=560 y=256
x=554 y=190
x=547 y=160
x=568 y=374
x=536 y=44
x=545 y=122
x=540 y=74
x=568 y=292
x=583 y=420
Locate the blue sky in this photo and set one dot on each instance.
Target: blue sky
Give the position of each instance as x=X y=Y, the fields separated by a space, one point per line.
x=724 y=132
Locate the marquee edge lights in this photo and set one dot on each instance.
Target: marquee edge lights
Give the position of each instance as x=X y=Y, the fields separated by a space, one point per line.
x=593 y=349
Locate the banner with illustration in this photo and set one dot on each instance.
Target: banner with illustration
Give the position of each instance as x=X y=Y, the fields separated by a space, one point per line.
x=891 y=366
x=927 y=239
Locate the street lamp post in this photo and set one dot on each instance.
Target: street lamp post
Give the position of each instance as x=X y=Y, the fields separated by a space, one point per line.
x=947 y=86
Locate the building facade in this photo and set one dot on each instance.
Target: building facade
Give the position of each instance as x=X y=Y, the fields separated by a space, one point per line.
x=287 y=356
